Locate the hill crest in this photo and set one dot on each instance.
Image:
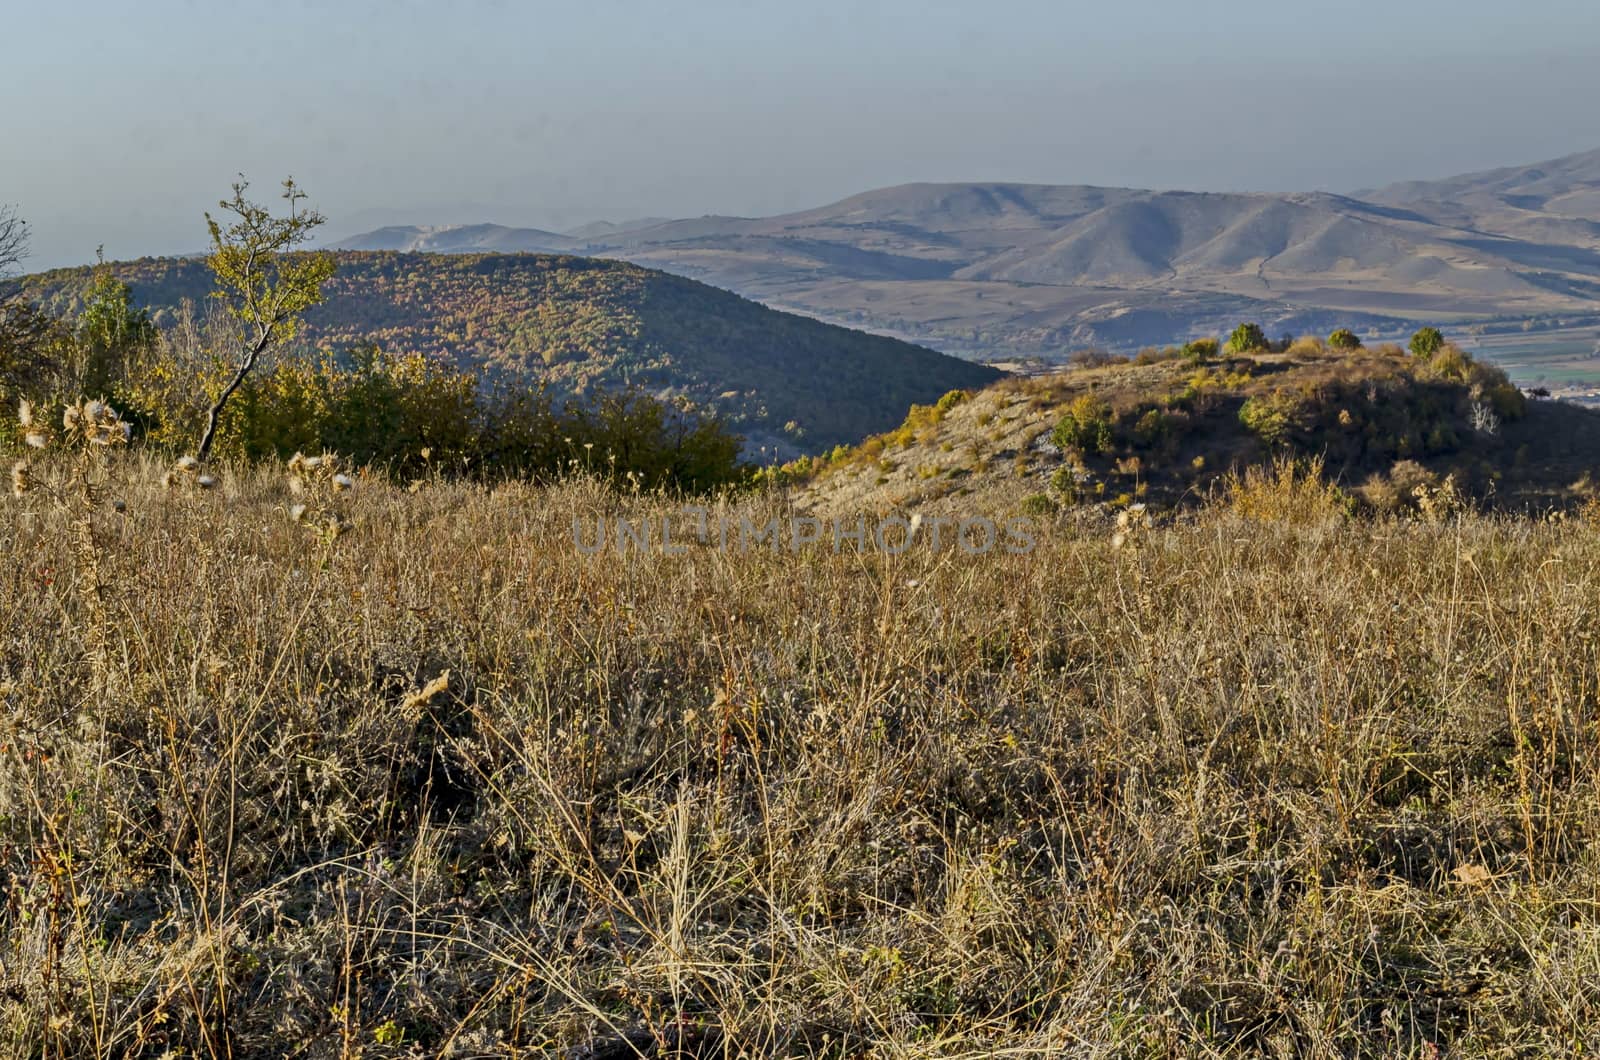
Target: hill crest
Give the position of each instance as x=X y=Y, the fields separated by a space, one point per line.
x=788 y=383
x=1171 y=427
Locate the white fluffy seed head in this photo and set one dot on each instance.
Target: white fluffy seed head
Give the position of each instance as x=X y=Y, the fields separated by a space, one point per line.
x=206 y=482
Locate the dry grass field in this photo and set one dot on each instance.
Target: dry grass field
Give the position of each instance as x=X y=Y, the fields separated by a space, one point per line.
x=442 y=784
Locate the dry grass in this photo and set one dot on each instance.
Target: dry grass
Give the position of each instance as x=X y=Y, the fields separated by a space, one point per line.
x=444 y=785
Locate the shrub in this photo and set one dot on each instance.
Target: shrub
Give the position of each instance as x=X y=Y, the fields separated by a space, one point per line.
x=1153 y=428
x=1151 y=355
x=1448 y=363
x=1065 y=481
x=412 y=413
x=1379 y=494
x=1344 y=339
x=109 y=334
x=1287 y=491
x=951 y=400
x=1039 y=504
x=1308 y=345
x=1270 y=418
x=1426 y=342
x=1086 y=426
x=1490 y=384
x=1247 y=338
x=1199 y=351
x=1093 y=358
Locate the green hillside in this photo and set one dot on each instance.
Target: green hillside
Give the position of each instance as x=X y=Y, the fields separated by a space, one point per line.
x=585 y=324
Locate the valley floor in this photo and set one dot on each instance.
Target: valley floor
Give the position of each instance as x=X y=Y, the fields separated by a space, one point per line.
x=445 y=784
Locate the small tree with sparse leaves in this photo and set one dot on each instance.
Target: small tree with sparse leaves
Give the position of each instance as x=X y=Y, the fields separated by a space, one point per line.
x=265 y=286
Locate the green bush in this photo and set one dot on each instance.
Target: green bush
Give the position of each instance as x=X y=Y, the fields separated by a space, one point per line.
x=1086 y=426
x=1065 y=482
x=1426 y=342
x=411 y=413
x=1344 y=339
x=1246 y=338
x=1039 y=504
x=1269 y=418
x=1153 y=428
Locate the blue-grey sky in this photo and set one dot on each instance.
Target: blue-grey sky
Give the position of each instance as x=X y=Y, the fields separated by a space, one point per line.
x=122 y=120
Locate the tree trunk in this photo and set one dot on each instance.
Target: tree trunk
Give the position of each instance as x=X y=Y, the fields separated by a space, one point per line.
x=214 y=414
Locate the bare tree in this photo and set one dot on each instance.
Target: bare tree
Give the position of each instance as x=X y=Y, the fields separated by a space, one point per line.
x=25 y=330
x=265 y=286
x=13 y=240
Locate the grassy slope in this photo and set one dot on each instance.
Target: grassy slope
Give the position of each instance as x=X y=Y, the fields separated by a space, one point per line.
x=1232 y=789
x=583 y=322
x=996 y=448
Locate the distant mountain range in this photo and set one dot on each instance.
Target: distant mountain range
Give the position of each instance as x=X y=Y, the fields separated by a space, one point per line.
x=1023 y=269
x=788 y=383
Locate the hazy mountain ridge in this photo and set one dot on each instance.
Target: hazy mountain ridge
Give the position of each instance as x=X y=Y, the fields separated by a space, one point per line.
x=1550 y=204
x=1521 y=242
x=452 y=239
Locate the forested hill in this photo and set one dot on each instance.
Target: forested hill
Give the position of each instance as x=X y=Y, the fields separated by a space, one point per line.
x=584 y=324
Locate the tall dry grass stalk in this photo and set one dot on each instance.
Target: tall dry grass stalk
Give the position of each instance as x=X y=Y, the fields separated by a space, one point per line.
x=1241 y=786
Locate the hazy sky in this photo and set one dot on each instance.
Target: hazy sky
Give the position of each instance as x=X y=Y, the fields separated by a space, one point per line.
x=120 y=122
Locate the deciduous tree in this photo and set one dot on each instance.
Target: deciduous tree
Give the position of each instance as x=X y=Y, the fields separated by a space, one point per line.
x=1247 y=337
x=266 y=285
